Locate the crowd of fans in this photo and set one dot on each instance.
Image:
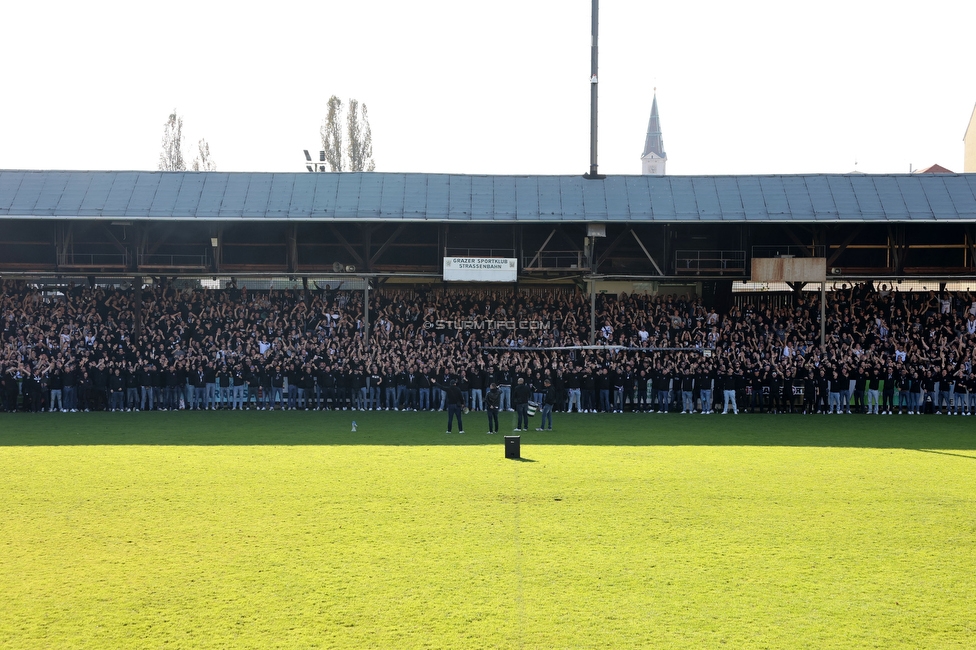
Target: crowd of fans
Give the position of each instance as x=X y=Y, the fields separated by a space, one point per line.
x=885 y=352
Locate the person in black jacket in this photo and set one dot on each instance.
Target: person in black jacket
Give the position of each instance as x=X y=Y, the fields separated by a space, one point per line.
x=521 y=401
x=454 y=402
x=116 y=388
x=31 y=390
x=809 y=393
x=823 y=384
x=493 y=399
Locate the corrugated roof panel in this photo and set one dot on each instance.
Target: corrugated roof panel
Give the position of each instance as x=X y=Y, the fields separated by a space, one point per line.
x=867 y=198
x=685 y=201
x=821 y=200
x=729 y=200
x=638 y=197
x=970 y=212
x=798 y=196
x=504 y=198
x=212 y=195
x=526 y=198
x=753 y=201
x=550 y=200
x=235 y=194
x=961 y=193
x=482 y=198
x=774 y=197
x=141 y=203
x=938 y=199
x=618 y=206
x=280 y=197
x=69 y=203
x=662 y=200
x=28 y=192
x=391 y=201
x=9 y=183
x=326 y=195
x=571 y=198
x=164 y=203
x=54 y=184
x=706 y=198
x=842 y=191
x=916 y=203
x=415 y=196
x=594 y=199
x=892 y=201
x=188 y=198
x=438 y=197
x=118 y=197
x=370 y=191
x=302 y=195
x=460 y=193
x=97 y=194
x=257 y=196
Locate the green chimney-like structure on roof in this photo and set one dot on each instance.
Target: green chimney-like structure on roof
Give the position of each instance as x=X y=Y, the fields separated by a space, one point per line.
x=654 y=160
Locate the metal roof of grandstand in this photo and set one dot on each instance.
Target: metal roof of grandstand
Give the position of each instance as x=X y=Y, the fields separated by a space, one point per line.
x=378 y=196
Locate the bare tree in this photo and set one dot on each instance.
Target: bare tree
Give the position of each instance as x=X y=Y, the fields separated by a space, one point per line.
x=360 y=147
x=171 y=158
x=331 y=132
x=204 y=162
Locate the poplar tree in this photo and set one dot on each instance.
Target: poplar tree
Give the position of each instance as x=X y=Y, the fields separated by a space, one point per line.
x=171 y=157
x=347 y=144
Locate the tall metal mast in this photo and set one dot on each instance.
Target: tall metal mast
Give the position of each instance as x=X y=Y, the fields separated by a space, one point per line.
x=594 y=56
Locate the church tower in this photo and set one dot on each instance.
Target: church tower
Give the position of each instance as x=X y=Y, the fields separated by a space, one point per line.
x=654 y=160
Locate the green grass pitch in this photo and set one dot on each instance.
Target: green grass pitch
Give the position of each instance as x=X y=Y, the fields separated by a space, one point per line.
x=287 y=530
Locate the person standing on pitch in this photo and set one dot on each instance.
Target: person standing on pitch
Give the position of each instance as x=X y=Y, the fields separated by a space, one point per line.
x=493 y=399
x=521 y=401
x=548 y=400
x=455 y=402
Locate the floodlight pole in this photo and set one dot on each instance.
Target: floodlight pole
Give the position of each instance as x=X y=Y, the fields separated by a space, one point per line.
x=594 y=83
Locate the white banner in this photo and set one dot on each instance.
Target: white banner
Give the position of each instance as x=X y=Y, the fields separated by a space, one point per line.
x=480 y=269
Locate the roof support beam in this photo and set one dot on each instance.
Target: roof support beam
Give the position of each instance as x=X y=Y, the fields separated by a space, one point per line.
x=541 y=248
x=346 y=245
x=897 y=249
x=612 y=247
x=799 y=242
x=129 y=260
x=844 y=245
x=114 y=240
x=367 y=246
x=644 y=248
x=64 y=246
x=572 y=242
x=167 y=231
x=392 y=238
x=291 y=250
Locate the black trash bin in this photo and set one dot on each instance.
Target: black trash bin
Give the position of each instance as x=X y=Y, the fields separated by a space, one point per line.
x=512 y=446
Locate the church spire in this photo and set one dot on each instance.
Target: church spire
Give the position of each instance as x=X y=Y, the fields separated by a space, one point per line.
x=654 y=159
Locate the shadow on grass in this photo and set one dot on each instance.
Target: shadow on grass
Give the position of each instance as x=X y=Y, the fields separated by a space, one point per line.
x=945 y=453
x=300 y=428
x=523 y=460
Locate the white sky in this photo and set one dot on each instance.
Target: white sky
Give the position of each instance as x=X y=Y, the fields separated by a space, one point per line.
x=498 y=87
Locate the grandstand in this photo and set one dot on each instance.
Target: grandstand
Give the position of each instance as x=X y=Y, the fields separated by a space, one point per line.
x=99 y=270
